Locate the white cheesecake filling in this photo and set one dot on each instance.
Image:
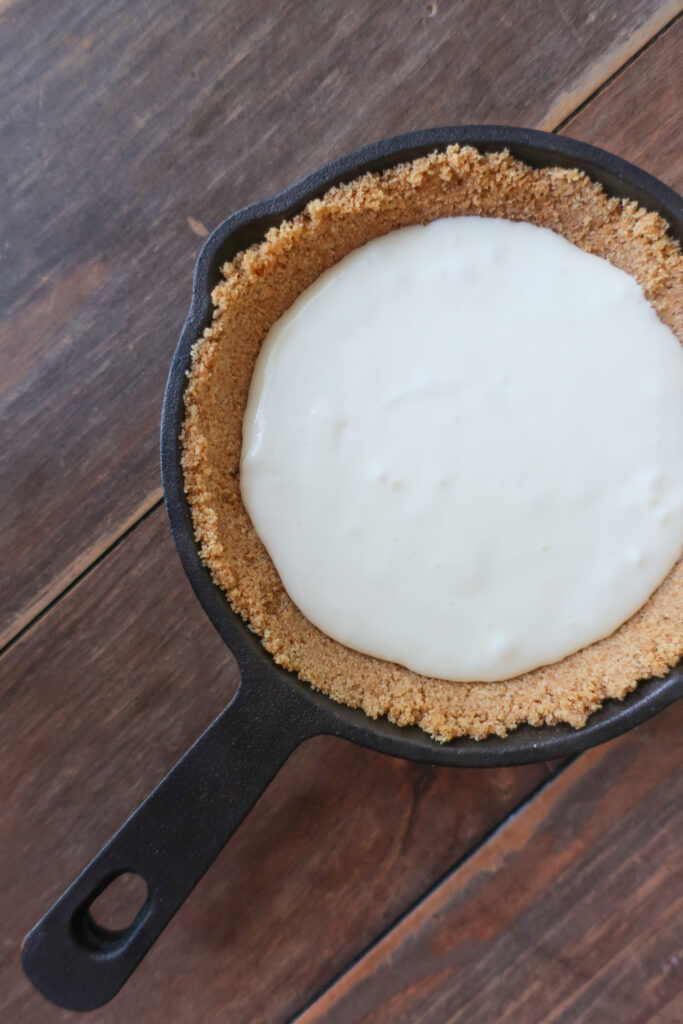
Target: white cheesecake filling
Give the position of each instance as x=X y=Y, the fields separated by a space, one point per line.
x=463 y=449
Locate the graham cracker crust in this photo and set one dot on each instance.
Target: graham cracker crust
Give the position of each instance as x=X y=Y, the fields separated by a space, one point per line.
x=261 y=283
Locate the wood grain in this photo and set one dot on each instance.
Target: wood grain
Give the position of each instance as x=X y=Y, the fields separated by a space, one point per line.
x=639 y=115
x=102 y=694
x=128 y=127
x=99 y=699
x=573 y=911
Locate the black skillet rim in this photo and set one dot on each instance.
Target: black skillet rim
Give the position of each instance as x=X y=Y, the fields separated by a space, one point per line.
x=526 y=743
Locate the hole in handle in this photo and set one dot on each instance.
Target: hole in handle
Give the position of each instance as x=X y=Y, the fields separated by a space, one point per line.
x=113 y=913
x=116 y=908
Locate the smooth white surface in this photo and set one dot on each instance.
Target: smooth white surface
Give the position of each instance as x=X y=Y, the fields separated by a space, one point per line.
x=463 y=449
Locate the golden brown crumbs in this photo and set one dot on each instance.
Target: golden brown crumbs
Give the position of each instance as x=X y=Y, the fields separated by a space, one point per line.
x=261 y=283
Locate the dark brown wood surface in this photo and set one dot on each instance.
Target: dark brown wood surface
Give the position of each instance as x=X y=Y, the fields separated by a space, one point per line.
x=572 y=912
x=105 y=690
x=639 y=114
x=100 y=699
x=129 y=128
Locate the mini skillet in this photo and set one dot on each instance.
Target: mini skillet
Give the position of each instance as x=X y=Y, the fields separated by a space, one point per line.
x=181 y=827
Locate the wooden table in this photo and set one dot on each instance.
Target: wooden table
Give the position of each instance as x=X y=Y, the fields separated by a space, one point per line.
x=360 y=888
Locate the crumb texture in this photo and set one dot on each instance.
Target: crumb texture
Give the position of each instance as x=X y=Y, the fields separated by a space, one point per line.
x=259 y=286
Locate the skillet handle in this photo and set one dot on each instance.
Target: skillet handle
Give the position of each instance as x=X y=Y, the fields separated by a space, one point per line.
x=170 y=840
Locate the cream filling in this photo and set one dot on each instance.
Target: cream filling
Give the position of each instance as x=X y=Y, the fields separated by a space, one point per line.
x=463 y=449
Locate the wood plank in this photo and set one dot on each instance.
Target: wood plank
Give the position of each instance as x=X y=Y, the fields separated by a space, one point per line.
x=573 y=911
x=128 y=127
x=99 y=699
x=639 y=115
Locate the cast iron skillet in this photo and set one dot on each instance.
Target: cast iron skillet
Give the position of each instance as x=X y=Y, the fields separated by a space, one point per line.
x=180 y=828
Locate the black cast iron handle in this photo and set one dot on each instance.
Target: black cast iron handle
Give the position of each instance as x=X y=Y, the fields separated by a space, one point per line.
x=170 y=841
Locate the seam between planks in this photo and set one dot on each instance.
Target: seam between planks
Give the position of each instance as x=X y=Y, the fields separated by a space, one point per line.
x=115 y=543
x=431 y=889
x=619 y=72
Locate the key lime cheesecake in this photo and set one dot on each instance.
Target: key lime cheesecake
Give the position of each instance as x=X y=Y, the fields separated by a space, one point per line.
x=433 y=444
